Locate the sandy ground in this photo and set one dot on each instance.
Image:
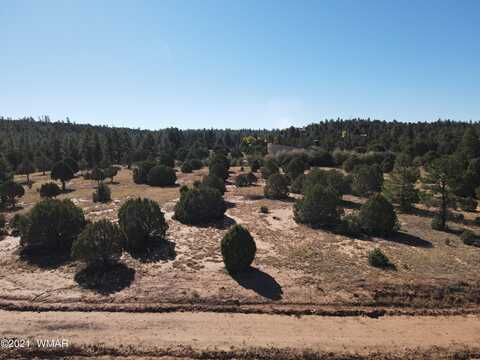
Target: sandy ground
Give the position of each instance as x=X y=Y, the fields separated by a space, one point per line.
x=226 y=331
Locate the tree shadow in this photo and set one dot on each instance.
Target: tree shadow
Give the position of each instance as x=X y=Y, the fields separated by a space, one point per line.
x=164 y=251
x=410 y=240
x=223 y=223
x=105 y=280
x=10 y=209
x=230 y=204
x=43 y=258
x=67 y=191
x=260 y=282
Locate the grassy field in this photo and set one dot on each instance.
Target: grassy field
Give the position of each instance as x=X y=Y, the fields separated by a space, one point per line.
x=294 y=264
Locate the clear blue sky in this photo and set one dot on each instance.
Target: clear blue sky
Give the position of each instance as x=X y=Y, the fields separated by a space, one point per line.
x=243 y=63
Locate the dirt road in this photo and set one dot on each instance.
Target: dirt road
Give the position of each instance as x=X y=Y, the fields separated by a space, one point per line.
x=201 y=331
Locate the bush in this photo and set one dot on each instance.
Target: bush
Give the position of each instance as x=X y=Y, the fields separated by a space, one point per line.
x=97 y=174
x=350 y=226
x=99 y=244
x=140 y=172
x=340 y=156
x=321 y=158
x=167 y=160
x=52 y=225
x=3 y=223
x=242 y=180
x=49 y=190
x=142 y=223
x=161 y=175
x=214 y=182
x=255 y=165
x=468 y=204
x=328 y=178
x=219 y=165
x=318 y=208
x=186 y=167
x=297 y=185
x=469 y=238
x=200 y=205
x=351 y=162
x=251 y=177
x=195 y=164
x=61 y=171
x=378 y=259
x=102 y=194
x=367 y=180
x=110 y=172
x=9 y=191
x=276 y=187
x=17 y=223
x=264 y=209
x=377 y=216
x=296 y=167
x=238 y=249
x=269 y=168
x=437 y=224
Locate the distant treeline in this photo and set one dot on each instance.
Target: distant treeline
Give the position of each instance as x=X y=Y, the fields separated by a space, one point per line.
x=44 y=142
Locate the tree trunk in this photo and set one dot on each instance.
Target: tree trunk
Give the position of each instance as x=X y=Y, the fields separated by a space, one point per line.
x=63 y=185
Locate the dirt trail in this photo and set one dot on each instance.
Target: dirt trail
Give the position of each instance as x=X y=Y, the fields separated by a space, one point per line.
x=146 y=331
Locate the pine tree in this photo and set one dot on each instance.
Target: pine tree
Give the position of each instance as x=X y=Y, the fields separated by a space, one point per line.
x=399 y=188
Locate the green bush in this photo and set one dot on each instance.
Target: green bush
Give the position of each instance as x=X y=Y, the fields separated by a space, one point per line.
x=318 y=208
x=200 y=205
x=99 y=244
x=102 y=194
x=296 y=167
x=377 y=216
x=219 y=165
x=297 y=185
x=214 y=182
x=276 y=187
x=351 y=163
x=321 y=157
x=49 y=190
x=242 y=180
x=238 y=249
x=110 y=172
x=167 y=160
x=350 y=226
x=143 y=224
x=437 y=224
x=9 y=191
x=161 y=175
x=186 y=167
x=378 y=259
x=367 y=180
x=468 y=204
x=333 y=179
x=269 y=168
x=3 y=223
x=51 y=225
x=140 y=172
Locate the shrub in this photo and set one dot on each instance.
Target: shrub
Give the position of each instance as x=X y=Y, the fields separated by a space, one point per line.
x=350 y=226
x=351 y=162
x=17 y=223
x=296 y=167
x=161 y=175
x=214 y=182
x=251 y=177
x=468 y=204
x=340 y=156
x=328 y=178
x=52 y=225
x=61 y=171
x=297 y=185
x=378 y=259
x=377 y=216
x=3 y=223
x=9 y=191
x=219 y=165
x=318 y=208
x=321 y=158
x=143 y=224
x=255 y=165
x=97 y=174
x=269 y=168
x=102 y=194
x=167 y=160
x=276 y=187
x=238 y=249
x=469 y=238
x=140 y=172
x=264 y=209
x=186 y=167
x=242 y=180
x=437 y=224
x=200 y=205
x=49 y=190
x=367 y=180
x=110 y=172
x=99 y=244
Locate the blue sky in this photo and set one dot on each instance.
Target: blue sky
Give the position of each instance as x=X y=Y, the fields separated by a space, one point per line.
x=243 y=63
